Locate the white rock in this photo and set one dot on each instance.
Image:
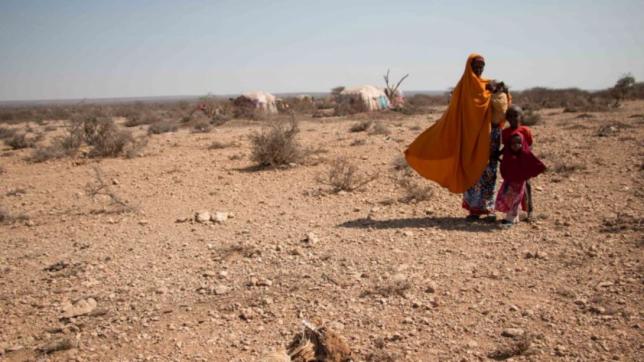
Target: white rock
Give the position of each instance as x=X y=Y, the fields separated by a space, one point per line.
x=512 y=332
x=81 y=307
x=311 y=238
x=202 y=216
x=219 y=217
x=221 y=289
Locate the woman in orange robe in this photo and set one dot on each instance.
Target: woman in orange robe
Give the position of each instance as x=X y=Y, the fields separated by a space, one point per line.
x=455 y=150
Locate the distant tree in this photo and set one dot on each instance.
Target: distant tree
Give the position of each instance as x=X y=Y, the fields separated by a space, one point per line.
x=622 y=88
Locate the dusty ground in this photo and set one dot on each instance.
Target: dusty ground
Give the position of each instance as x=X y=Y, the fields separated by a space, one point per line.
x=400 y=281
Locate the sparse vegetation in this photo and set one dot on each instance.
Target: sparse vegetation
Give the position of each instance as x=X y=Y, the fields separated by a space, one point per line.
x=415 y=189
x=344 y=176
x=277 y=145
x=162 y=127
x=6 y=133
x=531 y=118
x=379 y=128
x=20 y=141
x=100 y=187
x=201 y=126
x=361 y=126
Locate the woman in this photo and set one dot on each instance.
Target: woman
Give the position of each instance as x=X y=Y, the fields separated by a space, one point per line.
x=455 y=151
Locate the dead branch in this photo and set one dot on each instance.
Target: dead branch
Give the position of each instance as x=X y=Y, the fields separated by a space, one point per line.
x=100 y=187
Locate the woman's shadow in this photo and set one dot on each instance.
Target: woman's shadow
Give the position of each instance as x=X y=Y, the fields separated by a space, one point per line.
x=443 y=222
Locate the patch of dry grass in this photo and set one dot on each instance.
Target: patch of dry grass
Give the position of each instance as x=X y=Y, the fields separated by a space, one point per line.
x=361 y=126
x=277 y=145
x=344 y=176
x=162 y=127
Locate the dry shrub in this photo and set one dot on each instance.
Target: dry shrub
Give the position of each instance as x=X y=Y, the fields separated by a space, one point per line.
x=318 y=344
x=531 y=118
x=138 y=119
x=162 y=127
x=379 y=128
x=6 y=133
x=277 y=145
x=106 y=139
x=343 y=176
x=416 y=190
x=101 y=134
x=361 y=126
x=61 y=146
x=20 y=141
x=135 y=148
x=201 y=126
x=99 y=187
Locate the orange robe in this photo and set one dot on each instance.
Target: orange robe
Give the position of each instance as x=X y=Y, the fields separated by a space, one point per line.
x=456 y=149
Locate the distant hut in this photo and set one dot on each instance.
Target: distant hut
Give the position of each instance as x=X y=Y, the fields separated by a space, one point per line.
x=365 y=98
x=263 y=102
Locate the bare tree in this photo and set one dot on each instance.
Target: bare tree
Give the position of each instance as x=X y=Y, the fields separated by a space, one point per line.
x=392 y=92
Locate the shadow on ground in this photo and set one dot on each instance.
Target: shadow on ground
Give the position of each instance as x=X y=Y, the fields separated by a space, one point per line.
x=444 y=223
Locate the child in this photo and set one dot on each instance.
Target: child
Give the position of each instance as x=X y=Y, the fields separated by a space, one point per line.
x=514 y=116
x=500 y=102
x=517 y=166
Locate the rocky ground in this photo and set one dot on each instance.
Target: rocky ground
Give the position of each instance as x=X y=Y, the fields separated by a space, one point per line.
x=83 y=279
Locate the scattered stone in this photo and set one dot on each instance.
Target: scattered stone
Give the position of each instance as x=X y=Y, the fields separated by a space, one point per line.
x=81 y=307
x=513 y=332
x=560 y=350
x=202 y=216
x=604 y=284
x=219 y=217
x=221 y=289
x=264 y=283
x=57 y=266
x=431 y=287
x=55 y=346
x=311 y=238
x=597 y=309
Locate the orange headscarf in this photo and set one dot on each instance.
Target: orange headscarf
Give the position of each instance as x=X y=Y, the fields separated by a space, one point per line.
x=456 y=149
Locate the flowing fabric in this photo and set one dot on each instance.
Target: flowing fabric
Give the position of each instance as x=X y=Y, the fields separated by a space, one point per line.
x=479 y=199
x=522 y=165
x=510 y=198
x=455 y=150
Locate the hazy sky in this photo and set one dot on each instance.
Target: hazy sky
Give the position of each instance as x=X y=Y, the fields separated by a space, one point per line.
x=89 y=48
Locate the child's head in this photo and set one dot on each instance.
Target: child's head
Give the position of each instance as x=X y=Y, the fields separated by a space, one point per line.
x=500 y=87
x=516 y=143
x=514 y=115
